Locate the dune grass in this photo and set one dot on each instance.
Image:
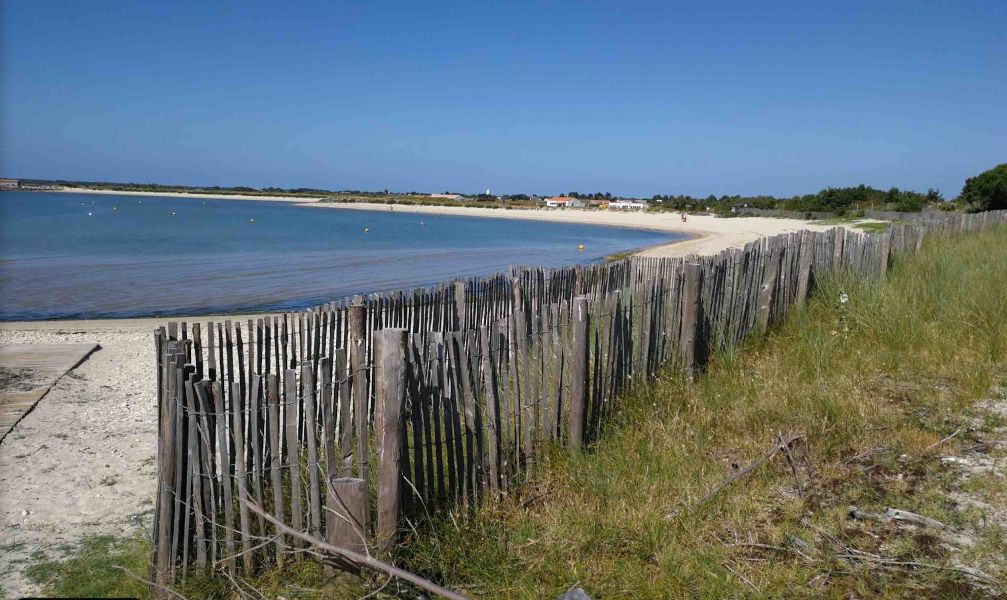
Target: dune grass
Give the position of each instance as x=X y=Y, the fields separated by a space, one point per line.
x=871 y=386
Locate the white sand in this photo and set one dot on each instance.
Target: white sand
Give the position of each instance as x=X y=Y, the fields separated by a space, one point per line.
x=709 y=234
x=293 y=199
x=83 y=462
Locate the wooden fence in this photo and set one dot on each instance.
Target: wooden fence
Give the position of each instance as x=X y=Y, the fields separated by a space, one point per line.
x=348 y=420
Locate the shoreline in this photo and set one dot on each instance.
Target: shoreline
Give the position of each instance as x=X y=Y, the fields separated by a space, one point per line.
x=209 y=196
x=704 y=234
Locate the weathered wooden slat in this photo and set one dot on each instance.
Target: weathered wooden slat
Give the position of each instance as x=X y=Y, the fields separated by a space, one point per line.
x=314 y=467
x=579 y=373
x=273 y=401
x=241 y=480
x=389 y=373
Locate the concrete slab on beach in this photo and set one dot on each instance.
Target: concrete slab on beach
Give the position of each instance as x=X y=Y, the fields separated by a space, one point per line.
x=29 y=371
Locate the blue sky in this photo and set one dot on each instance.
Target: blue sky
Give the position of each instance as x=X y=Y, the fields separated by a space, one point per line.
x=633 y=98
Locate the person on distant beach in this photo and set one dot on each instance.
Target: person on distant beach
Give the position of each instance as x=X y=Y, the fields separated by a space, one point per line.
x=683 y=218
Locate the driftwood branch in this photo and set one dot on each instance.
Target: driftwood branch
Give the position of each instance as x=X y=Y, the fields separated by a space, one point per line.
x=793 y=465
x=938 y=443
x=780 y=446
x=895 y=514
x=355 y=557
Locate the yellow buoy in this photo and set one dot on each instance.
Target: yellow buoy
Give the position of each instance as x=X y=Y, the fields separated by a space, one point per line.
x=581 y=247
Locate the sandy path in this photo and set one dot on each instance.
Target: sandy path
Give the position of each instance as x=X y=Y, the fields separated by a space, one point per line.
x=82 y=463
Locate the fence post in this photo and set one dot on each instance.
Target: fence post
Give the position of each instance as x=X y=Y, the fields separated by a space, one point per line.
x=346 y=519
x=390 y=389
x=690 y=317
x=578 y=372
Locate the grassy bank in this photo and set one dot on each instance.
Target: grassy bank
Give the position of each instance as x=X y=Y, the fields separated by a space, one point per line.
x=872 y=387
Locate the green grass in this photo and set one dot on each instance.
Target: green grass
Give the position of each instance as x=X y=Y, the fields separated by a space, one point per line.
x=91 y=569
x=94 y=570
x=895 y=374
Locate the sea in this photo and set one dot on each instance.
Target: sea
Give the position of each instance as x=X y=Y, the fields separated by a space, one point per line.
x=81 y=256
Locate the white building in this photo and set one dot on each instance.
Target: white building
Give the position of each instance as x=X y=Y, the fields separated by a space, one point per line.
x=564 y=202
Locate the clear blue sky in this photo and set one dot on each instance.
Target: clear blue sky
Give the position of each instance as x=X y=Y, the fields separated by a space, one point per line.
x=630 y=98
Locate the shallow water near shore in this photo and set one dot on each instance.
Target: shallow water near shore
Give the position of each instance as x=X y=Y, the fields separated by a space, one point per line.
x=93 y=256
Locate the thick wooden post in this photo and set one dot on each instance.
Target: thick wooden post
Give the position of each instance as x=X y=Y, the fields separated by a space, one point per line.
x=578 y=373
x=390 y=391
x=690 y=317
x=346 y=518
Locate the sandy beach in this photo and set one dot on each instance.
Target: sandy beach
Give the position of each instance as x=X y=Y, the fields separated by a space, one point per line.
x=82 y=462
x=293 y=199
x=708 y=234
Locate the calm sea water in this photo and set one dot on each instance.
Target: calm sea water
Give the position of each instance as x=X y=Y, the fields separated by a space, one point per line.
x=88 y=256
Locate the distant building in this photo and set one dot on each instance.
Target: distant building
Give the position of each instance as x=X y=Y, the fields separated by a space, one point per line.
x=10 y=184
x=599 y=203
x=627 y=205
x=564 y=202
x=447 y=196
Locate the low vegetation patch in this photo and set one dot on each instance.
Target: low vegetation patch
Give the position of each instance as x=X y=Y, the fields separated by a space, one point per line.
x=874 y=392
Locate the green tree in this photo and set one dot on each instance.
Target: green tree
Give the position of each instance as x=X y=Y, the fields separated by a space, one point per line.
x=986 y=191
